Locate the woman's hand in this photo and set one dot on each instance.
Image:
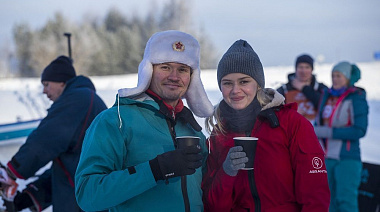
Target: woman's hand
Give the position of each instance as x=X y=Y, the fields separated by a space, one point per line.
x=235 y=160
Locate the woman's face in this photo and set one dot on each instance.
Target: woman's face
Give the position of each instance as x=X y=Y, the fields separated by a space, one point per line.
x=238 y=90
x=339 y=80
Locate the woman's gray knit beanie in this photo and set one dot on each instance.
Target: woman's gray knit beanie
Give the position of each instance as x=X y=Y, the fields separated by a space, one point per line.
x=241 y=58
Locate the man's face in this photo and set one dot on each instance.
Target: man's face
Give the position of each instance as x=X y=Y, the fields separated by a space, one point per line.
x=304 y=72
x=170 y=81
x=53 y=90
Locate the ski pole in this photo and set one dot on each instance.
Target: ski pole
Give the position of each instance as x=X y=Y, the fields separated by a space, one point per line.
x=68 y=35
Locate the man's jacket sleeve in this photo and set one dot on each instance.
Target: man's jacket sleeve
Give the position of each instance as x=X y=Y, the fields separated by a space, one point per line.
x=53 y=136
x=101 y=179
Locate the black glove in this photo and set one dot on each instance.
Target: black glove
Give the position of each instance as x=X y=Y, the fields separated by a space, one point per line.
x=37 y=195
x=179 y=162
x=22 y=201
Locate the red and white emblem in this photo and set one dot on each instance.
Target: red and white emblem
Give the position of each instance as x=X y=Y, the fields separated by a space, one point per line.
x=178 y=46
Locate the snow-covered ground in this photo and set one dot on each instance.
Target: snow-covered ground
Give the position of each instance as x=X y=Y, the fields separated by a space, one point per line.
x=21 y=99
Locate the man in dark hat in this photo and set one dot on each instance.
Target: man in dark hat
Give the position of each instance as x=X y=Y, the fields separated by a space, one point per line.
x=57 y=139
x=55 y=76
x=303 y=88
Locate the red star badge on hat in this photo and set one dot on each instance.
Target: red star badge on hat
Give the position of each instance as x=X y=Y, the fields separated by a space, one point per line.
x=178 y=46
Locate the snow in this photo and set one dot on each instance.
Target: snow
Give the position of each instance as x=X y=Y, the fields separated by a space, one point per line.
x=21 y=99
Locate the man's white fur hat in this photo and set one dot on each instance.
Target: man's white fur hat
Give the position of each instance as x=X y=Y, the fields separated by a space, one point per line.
x=179 y=47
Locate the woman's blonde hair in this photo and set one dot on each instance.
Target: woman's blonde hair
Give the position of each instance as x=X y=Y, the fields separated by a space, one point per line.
x=214 y=122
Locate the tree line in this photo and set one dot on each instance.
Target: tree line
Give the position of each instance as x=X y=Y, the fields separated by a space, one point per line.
x=103 y=46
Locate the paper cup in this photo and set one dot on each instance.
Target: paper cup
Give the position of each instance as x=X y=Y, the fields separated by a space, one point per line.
x=185 y=141
x=249 y=147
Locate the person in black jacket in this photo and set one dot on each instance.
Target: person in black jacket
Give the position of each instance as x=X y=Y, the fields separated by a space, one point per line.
x=303 y=88
x=57 y=139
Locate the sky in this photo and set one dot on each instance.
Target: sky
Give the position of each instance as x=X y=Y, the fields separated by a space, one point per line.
x=279 y=31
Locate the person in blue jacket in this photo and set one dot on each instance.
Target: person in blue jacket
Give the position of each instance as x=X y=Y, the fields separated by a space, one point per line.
x=57 y=139
x=342 y=120
x=129 y=159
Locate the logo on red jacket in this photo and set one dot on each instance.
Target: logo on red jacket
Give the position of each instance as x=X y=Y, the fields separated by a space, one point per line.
x=317 y=164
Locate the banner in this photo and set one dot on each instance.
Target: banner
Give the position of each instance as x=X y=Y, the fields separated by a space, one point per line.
x=369 y=190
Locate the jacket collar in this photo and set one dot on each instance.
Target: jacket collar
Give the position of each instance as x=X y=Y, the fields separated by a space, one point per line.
x=177 y=113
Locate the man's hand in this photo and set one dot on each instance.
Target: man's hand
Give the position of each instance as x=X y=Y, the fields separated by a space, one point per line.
x=179 y=162
x=8 y=186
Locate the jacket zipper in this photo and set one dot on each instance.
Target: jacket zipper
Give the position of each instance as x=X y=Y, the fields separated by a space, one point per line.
x=252 y=184
x=255 y=195
x=184 y=193
x=183 y=178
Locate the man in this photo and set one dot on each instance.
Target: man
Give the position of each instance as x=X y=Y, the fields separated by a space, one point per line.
x=58 y=138
x=129 y=160
x=303 y=88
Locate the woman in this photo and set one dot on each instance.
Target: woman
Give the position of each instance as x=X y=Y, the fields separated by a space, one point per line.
x=342 y=121
x=289 y=173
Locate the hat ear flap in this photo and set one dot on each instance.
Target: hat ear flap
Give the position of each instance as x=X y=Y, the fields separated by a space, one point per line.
x=196 y=96
x=144 y=77
x=355 y=74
